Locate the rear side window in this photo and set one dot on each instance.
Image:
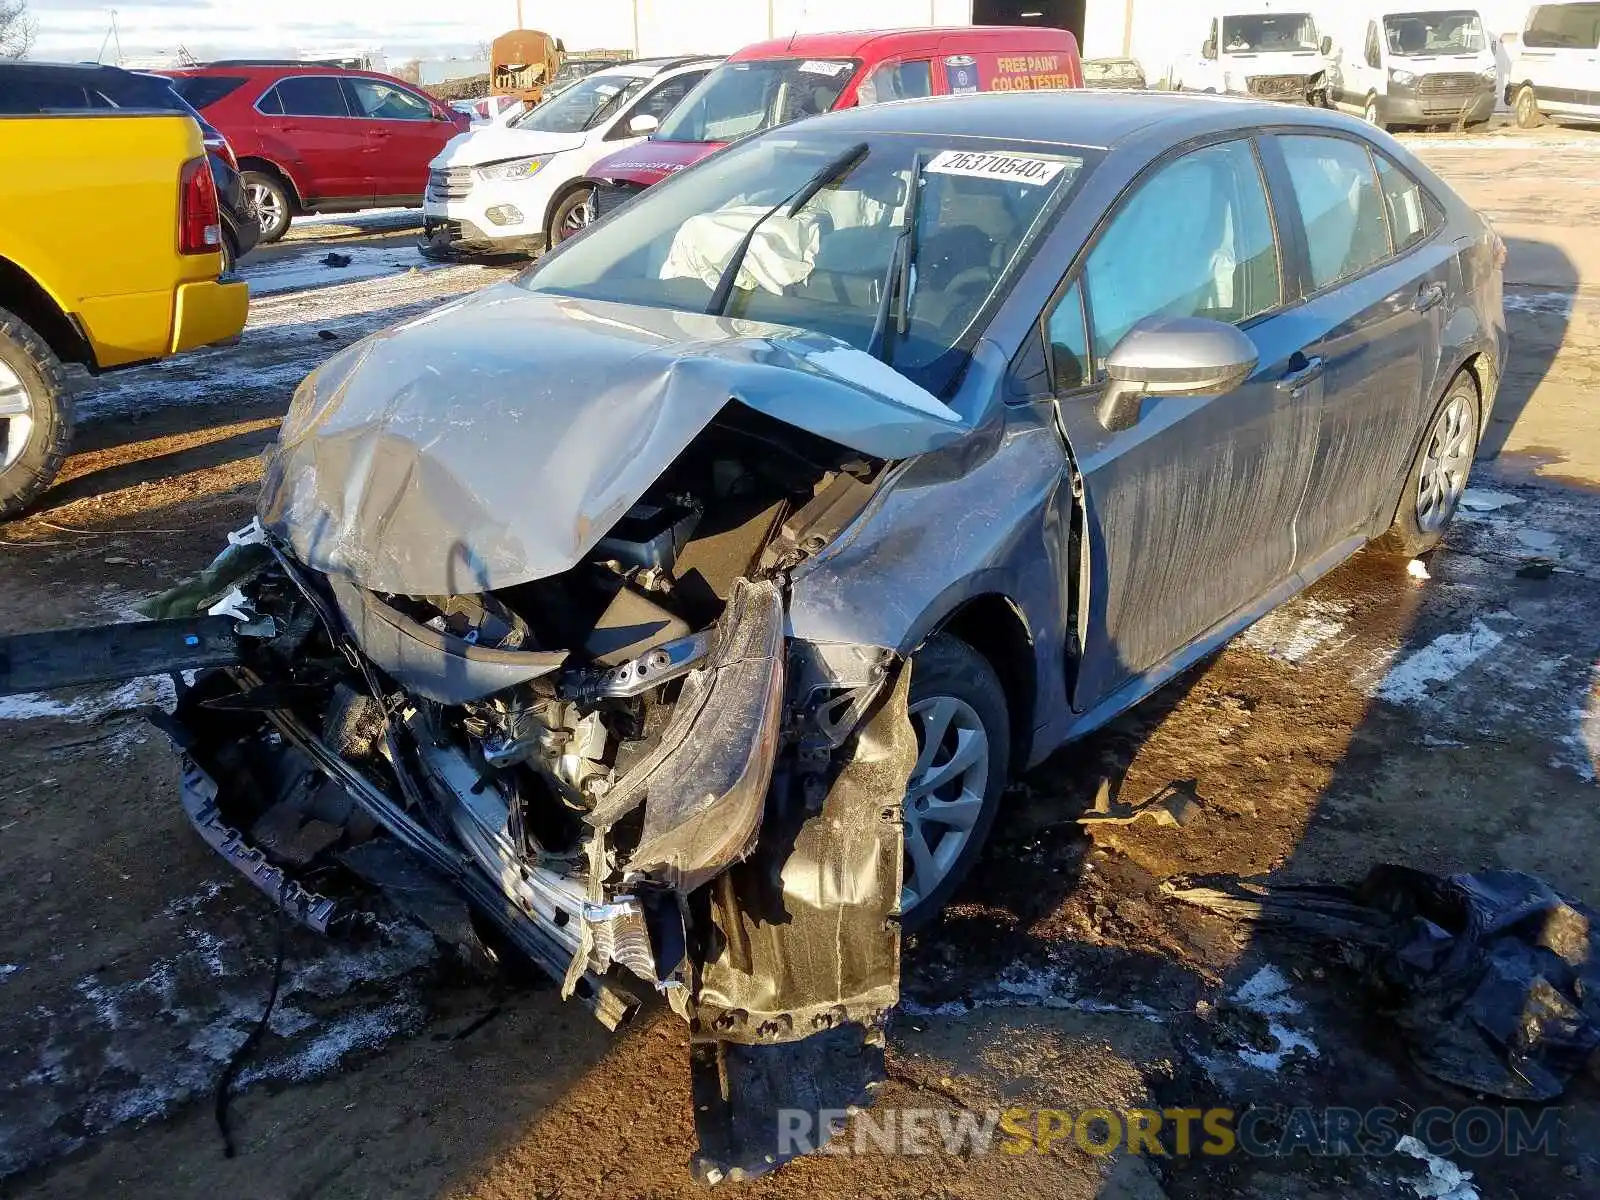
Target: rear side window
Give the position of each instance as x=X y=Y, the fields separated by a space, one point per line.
x=1413 y=214
x=1195 y=240
x=1337 y=194
x=24 y=97
x=308 y=96
x=1564 y=27
x=204 y=90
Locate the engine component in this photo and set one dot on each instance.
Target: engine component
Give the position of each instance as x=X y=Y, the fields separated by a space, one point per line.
x=631 y=625
x=639 y=675
x=650 y=536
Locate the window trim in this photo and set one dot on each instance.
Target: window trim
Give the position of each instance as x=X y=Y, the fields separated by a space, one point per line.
x=1309 y=291
x=1288 y=287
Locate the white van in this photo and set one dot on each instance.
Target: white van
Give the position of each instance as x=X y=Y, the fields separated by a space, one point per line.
x=1411 y=63
x=1260 y=48
x=1555 y=66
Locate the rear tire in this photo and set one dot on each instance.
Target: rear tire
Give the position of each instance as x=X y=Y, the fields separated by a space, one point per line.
x=957 y=698
x=35 y=415
x=1439 y=474
x=1527 y=108
x=273 y=206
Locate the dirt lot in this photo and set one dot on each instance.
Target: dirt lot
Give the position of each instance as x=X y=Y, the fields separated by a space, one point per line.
x=1450 y=723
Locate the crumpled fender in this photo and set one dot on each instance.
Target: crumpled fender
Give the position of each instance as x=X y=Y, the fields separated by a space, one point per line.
x=800 y=965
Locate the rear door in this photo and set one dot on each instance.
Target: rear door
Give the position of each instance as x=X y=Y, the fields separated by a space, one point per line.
x=312 y=116
x=401 y=132
x=1190 y=511
x=1375 y=296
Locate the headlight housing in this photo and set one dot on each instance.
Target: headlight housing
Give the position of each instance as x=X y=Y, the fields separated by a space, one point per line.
x=1403 y=78
x=1491 y=72
x=513 y=168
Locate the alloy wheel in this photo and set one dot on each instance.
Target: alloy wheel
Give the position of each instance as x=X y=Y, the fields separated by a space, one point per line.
x=269 y=207
x=946 y=792
x=16 y=417
x=1443 y=480
x=1526 y=106
x=578 y=217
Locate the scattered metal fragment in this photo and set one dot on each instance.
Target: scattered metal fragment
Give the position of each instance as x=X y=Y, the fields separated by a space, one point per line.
x=1175 y=805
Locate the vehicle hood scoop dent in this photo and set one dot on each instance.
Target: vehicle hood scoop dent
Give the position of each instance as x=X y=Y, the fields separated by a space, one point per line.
x=496 y=439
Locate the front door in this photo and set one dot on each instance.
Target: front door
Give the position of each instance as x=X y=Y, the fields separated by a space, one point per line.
x=1377 y=290
x=401 y=134
x=1191 y=511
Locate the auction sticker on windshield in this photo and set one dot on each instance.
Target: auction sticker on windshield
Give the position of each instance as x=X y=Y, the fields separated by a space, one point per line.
x=1018 y=168
x=817 y=66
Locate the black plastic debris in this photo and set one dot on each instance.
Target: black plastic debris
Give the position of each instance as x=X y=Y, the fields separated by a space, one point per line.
x=335 y=259
x=1493 y=978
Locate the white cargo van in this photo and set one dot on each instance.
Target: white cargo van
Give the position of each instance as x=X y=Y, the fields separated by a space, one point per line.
x=1260 y=48
x=1413 y=63
x=1555 y=65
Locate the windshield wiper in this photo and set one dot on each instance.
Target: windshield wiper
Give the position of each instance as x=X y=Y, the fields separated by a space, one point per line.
x=833 y=169
x=900 y=277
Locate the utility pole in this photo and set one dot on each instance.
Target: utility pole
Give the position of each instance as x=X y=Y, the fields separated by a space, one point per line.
x=636 y=50
x=519 y=14
x=1127 y=29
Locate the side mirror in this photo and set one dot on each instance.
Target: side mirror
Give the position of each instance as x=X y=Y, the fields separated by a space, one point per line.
x=1208 y=49
x=1172 y=356
x=642 y=124
x=1327 y=46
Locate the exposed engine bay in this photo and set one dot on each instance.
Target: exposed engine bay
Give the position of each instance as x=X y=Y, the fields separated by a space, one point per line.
x=626 y=771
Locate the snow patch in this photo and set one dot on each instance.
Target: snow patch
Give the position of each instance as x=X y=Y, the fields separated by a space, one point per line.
x=97 y=705
x=307 y=271
x=1266 y=994
x=1297 y=632
x=1445 y=1180
x=1440 y=661
x=7 y=970
x=1483 y=500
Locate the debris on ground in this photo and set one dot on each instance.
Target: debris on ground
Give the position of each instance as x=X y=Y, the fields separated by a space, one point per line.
x=1536 y=568
x=1418 y=570
x=1493 y=978
x=335 y=259
x=1445 y=1180
x=327 y=335
x=1175 y=805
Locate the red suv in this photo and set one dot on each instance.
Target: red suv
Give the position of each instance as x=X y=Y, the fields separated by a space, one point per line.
x=313 y=138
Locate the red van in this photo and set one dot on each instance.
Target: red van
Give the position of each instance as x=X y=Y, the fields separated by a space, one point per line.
x=774 y=82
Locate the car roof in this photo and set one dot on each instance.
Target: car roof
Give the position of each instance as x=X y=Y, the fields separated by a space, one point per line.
x=650 y=67
x=78 y=72
x=852 y=43
x=1102 y=119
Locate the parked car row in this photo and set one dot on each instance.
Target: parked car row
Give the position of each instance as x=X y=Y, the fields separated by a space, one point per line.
x=120 y=216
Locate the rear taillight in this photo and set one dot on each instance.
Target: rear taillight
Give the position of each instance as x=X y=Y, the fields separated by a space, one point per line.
x=199 y=216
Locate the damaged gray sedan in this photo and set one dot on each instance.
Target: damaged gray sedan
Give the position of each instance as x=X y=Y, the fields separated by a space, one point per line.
x=677 y=612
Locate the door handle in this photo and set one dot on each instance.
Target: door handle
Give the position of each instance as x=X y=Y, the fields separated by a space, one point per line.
x=1299 y=380
x=1429 y=296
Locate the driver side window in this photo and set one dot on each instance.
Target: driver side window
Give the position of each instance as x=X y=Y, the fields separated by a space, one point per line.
x=1195 y=240
x=1373 y=57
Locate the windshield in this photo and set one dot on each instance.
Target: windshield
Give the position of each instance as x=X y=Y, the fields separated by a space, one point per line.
x=741 y=98
x=980 y=206
x=1411 y=34
x=1263 y=33
x=581 y=106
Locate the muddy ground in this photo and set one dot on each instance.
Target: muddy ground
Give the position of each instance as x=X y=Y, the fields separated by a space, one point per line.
x=1450 y=723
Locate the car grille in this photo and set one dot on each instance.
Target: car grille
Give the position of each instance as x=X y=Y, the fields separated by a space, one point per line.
x=452 y=184
x=1277 y=87
x=1447 y=94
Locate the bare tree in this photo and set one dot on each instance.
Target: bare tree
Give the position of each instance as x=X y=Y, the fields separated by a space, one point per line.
x=17 y=29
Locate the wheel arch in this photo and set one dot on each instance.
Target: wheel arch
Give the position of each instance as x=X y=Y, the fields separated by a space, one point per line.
x=1472 y=366
x=26 y=298
x=267 y=166
x=994 y=625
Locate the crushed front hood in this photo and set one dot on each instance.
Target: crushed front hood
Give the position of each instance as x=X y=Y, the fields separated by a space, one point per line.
x=498 y=438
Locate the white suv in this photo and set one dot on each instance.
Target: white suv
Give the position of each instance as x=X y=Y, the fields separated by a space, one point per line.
x=1555 y=69
x=520 y=187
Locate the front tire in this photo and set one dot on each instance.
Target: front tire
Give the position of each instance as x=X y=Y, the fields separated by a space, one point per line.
x=35 y=415
x=958 y=708
x=573 y=215
x=1527 y=108
x=1373 y=114
x=1438 y=476
x=272 y=204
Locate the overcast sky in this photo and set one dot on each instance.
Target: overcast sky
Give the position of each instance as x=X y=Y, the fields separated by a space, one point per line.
x=75 y=29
